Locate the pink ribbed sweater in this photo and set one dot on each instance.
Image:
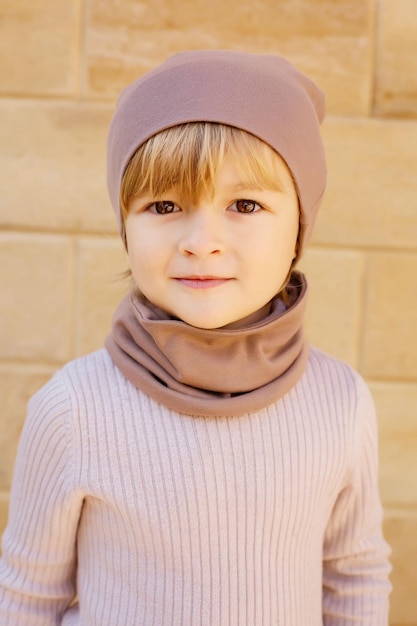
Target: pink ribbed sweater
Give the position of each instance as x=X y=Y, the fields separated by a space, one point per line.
x=160 y=519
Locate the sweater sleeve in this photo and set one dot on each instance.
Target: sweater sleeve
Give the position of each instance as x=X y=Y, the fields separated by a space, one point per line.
x=356 y=565
x=37 y=569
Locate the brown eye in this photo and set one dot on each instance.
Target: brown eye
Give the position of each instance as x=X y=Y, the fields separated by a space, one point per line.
x=246 y=206
x=162 y=207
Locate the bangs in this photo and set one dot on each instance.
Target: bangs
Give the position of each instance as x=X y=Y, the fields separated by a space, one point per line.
x=187 y=158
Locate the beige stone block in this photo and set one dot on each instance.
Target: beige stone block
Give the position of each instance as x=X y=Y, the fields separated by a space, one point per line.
x=52 y=166
x=390 y=337
x=39 y=44
x=332 y=41
x=4 y=511
x=17 y=384
x=372 y=184
x=396 y=74
x=35 y=307
x=334 y=308
x=396 y=405
x=100 y=288
x=401 y=532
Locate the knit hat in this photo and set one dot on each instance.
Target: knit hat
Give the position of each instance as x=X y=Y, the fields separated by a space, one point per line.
x=261 y=94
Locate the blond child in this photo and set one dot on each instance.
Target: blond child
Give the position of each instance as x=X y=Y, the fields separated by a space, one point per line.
x=207 y=467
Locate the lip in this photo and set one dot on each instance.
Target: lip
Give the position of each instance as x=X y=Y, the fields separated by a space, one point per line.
x=201 y=282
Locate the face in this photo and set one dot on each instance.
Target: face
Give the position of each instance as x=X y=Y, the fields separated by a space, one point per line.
x=220 y=263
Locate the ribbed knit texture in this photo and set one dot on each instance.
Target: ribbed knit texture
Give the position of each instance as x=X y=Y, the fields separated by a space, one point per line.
x=185 y=521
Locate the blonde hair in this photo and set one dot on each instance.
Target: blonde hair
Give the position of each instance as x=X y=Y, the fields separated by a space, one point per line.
x=188 y=157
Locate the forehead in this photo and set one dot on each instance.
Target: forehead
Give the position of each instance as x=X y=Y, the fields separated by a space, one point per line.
x=236 y=175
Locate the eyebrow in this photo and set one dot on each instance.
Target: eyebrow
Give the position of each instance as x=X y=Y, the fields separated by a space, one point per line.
x=243 y=186
x=249 y=187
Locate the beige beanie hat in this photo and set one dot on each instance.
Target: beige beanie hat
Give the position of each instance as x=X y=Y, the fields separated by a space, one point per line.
x=261 y=94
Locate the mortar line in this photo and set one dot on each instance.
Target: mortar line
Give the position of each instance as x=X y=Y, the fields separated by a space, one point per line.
x=375 y=11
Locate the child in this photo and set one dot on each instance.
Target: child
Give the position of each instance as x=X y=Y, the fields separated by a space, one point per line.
x=207 y=468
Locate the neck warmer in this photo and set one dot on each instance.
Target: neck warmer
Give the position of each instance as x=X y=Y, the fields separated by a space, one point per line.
x=219 y=372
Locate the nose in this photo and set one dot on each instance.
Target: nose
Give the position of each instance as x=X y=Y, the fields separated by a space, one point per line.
x=201 y=235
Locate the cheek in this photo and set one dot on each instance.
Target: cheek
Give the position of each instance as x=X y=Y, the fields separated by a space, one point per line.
x=274 y=259
x=140 y=243
x=278 y=247
x=139 y=256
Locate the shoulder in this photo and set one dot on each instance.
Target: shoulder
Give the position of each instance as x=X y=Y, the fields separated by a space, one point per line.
x=334 y=392
x=332 y=388
x=77 y=383
x=321 y=362
x=90 y=372
x=336 y=377
x=77 y=404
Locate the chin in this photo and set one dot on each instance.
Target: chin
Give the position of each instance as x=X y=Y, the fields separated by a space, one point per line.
x=205 y=325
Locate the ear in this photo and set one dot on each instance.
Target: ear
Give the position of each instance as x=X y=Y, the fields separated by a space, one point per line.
x=123 y=236
x=296 y=249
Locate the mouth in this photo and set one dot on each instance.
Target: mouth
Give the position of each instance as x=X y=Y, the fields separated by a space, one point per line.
x=201 y=282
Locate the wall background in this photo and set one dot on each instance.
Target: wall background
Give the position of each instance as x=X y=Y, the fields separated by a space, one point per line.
x=62 y=65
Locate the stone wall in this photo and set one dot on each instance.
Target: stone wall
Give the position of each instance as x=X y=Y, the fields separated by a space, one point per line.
x=63 y=63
